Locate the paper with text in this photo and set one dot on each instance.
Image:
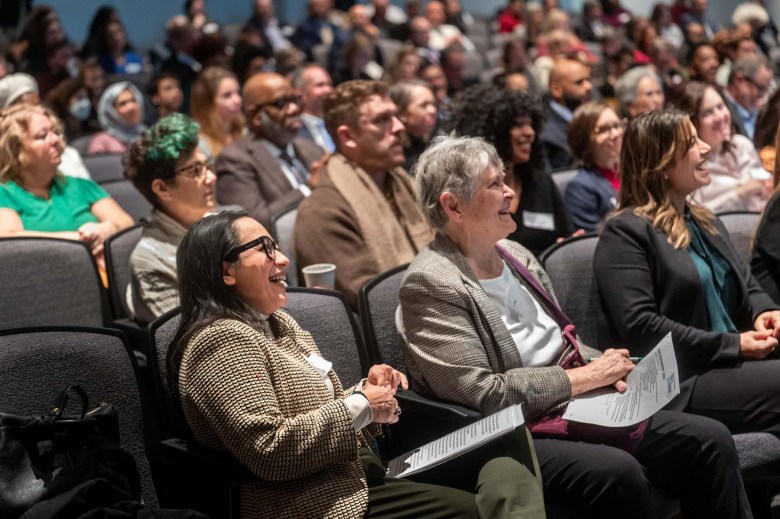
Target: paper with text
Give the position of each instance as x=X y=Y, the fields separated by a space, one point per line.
x=652 y=384
x=456 y=443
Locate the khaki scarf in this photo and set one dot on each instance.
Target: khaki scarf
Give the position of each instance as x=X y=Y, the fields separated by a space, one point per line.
x=392 y=241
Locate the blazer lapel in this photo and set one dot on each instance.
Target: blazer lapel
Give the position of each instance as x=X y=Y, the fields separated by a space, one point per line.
x=267 y=167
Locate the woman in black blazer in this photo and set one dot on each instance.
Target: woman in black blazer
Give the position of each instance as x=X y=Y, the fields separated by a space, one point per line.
x=663 y=265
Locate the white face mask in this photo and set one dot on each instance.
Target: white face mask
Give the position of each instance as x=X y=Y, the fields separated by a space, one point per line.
x=80 y=109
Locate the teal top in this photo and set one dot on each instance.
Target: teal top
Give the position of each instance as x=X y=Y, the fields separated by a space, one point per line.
x=718 y=280
x=68 y=207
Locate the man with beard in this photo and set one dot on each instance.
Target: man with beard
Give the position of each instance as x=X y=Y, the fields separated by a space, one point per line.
x=268 y=169
x=570 y=86
x=362 y=216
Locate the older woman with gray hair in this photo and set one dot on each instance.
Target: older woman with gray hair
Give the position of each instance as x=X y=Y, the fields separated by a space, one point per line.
x=481 y=327
x=120 y=111
x=639 y=90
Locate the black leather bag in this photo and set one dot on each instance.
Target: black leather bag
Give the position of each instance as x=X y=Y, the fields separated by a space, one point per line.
x=44 y=456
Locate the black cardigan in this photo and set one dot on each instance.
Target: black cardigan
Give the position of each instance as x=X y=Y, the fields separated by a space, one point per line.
x=765 y=262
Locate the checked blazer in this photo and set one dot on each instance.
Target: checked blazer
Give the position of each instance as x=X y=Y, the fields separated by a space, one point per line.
x=456 y=346
x=259 y=399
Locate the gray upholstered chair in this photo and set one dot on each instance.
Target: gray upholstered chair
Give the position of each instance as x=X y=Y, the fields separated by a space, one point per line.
x=562 y=177
x=282 y=225
x=741 y=226
x=569 y=265
x=49 y=282
x=105 y=167
x=377 y=302
x=36 y=365
x=128 y=197
x=118 y=248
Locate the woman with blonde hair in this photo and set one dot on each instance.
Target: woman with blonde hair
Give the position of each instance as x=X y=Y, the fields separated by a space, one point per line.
x=664 y=265
x=765 y=262
x=34 y=199
x=215 y=104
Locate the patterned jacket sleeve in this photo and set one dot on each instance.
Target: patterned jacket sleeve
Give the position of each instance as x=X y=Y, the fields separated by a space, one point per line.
x=446 y=351
x=230 y=385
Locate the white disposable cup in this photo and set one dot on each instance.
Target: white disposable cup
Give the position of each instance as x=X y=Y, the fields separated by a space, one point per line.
x=320 y=275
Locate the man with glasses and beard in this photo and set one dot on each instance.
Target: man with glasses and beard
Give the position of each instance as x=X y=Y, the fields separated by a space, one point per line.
x=269 y=169
x=570 y=86
x=362 y=216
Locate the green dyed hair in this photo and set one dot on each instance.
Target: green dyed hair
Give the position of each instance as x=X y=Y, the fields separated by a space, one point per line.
x=158 y=151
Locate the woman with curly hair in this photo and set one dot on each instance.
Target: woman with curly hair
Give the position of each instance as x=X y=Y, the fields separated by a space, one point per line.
x=167 y=167
x=511 y=120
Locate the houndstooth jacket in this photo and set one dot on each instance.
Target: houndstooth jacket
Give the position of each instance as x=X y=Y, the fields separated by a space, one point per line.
x=259 y=399
x=456 y=346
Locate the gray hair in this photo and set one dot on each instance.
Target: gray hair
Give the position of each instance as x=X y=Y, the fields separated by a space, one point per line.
x=451 y=164
x=749 y=13
x=748 y=66
x=626 y=85
x=401 y=91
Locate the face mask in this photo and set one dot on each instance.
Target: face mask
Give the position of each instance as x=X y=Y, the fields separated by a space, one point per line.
x=72 y=67
x=80 y=109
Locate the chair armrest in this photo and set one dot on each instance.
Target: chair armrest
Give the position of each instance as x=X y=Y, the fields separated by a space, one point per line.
x=179 y=450
x=415 y=402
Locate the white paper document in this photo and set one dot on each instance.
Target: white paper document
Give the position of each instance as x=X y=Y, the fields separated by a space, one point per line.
x=652 y=384
x=456 y=443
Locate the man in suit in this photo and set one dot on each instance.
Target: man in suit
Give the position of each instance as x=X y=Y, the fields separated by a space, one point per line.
x=749 y=81
x=268 y=169
x=313 y=84
x=362 y=216
x=570 y=86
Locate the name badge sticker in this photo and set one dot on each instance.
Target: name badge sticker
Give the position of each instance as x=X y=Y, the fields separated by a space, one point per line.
x=543 y=221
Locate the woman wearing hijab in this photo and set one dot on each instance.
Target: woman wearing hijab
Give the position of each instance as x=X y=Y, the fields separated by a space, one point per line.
x=120 y=110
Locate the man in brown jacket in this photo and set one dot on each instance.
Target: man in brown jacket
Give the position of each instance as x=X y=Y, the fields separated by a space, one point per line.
x=268 y=170
x=362 y=216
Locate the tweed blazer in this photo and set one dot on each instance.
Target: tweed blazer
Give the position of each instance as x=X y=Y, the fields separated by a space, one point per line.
x=457 y=348
x=259 y=399
x=249 y=176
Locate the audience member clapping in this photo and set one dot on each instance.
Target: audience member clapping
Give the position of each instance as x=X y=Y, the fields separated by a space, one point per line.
x=738 y=181
x=216 y=106
x=665 y=265
x=167 y=168
x=120 y=112
x=34 y=199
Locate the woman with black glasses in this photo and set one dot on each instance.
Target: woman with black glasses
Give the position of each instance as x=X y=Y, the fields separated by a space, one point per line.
x=167 y=167
x=252 y=383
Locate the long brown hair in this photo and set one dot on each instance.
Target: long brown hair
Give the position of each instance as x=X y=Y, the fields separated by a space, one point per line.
x=203 y=109
x=652 y=144
x=581 y=129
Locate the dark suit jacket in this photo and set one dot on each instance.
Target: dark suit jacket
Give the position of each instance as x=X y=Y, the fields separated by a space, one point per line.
x=765 y=262
x=589 y=197
x=249 y=176
x=555 y=141
x=736 y=118
x=648 y=288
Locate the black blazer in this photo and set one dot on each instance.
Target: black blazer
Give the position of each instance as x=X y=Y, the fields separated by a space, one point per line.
x=648 y=288
x=765 y=262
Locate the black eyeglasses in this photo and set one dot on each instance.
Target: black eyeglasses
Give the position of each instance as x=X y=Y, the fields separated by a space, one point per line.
x=270 y=246
x=282 y=102
x=196 y=170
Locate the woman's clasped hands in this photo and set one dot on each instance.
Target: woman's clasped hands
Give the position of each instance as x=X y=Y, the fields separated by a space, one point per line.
x=380 y=388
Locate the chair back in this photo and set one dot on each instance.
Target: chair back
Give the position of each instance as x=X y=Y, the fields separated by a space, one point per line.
x=562 y=179
x=35 y=365
x=282 y=225
x=377 y=302
x=117 y=253
x=128 y=197
x=81 y=144
x=569 y=265
x=326 y=315
x=49 y=282
x=105 y=167
x=161 y=332
x=741 y=226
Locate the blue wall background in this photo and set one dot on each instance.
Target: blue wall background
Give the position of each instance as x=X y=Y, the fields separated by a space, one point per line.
x=145 y=19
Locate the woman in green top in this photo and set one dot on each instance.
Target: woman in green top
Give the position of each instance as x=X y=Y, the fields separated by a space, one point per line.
x=665 y=265
x=34 y=199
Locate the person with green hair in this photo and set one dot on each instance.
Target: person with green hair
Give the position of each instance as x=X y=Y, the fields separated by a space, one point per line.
x=167 y=167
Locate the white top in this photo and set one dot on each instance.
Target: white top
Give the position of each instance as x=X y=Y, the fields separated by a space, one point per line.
x=72 y=164
x=537 y=336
